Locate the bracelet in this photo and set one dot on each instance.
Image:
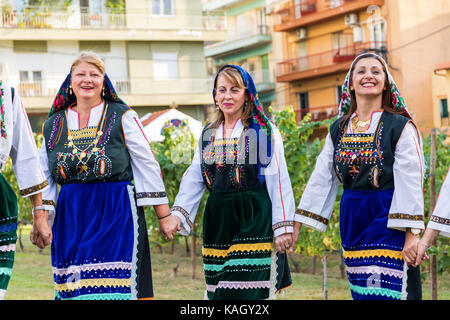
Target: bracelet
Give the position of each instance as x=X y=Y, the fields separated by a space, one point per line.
x=164 y=216
x=37 y=208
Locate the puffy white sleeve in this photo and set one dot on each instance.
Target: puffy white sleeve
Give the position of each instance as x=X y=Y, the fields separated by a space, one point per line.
x=407 y=205
x=24 y=154
x=440 y=219
x=49 y=195
x=317 y=202
x=147 y=175
x=189 y=195
x=280 y=189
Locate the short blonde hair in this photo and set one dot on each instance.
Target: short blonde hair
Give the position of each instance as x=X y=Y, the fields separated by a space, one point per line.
x=91 y=58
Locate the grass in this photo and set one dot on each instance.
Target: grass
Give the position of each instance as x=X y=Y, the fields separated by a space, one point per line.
x=32 y=278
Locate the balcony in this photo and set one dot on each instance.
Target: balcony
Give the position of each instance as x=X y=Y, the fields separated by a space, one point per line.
x=240 y=40
x=262 y=80
x=324 y=63
x=318 y=113
x=213 y=5
x=133 y=25
x=307 y=12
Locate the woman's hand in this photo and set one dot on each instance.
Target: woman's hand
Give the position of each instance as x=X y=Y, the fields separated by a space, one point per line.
x=169 y=226
x=410 y=248
x=297 y=227
x=41 y=233
x=283 y=242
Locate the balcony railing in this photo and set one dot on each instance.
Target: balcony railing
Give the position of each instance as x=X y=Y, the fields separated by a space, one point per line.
x=325 y=59
x=134 y=86
x=318 y=113
x=294 y=15
x=78 y=20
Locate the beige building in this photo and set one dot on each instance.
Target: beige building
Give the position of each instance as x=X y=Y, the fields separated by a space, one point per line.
x=153 y=51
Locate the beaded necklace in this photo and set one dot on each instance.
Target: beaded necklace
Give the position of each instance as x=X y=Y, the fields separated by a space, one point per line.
x=82 y=153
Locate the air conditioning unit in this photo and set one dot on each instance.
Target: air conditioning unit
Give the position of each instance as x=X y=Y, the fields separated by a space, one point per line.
x=351 y=19
x=301 y=34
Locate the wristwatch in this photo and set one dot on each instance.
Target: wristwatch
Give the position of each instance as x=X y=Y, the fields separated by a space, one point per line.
x=414 y=231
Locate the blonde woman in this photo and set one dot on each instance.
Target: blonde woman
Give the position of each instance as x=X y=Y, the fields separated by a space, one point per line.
x=248 y=220
x=94 y=146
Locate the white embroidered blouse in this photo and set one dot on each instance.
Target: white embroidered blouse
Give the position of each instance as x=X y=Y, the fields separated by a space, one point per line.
x=20 y=145
x=440 y=220
x=146 y=170
x=409 y=167
x=277 y=179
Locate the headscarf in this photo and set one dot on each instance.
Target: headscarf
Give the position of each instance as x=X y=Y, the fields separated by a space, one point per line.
x=259 y=121
x=64 y=98
x=397 y=99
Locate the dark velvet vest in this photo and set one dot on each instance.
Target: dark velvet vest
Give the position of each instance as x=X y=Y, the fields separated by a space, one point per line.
x=364 y=161
x=100 y=153
x=227 y=164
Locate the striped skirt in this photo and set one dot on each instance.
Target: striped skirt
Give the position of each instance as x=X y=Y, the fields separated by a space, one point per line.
x=238 y=254
x=372 y=252
x=100 y=247
x=8 y=234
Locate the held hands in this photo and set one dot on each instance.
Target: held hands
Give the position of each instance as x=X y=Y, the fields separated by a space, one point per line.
x=169 y=226
x=410 y=248
x=41 y=233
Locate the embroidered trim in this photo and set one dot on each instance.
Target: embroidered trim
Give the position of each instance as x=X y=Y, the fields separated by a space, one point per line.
x=2 y=112
x=9 y=247
x=376 y=291
x=238 y=247
x=312 y=215
x=92 y=267
x=376 y=270
x=84 y=283
x=237 y=262
x=101 y=296
x=373 y=253
x=8 y=227
x=140 y=195
x=405 y=216
x=184 y=213
x=49 y=202
x=5 y=271
x=440 y=220
x=27 y=191
x=238 y=285
x=282 y=224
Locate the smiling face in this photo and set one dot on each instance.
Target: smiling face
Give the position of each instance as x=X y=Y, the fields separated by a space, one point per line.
x=87 y=81
x=230 y=97
x=368 y=77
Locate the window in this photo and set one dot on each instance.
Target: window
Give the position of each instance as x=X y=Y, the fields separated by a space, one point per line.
x=163 y=7
x=444 y=108
x=24 y=46
x=303 y=104
x=30 y=83
x=165 y=66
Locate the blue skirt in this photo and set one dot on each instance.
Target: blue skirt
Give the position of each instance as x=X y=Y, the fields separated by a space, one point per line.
x=372 y=251
x=100 y=246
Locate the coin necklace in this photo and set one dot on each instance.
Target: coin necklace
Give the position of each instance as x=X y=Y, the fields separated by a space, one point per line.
x=357 y=124
x=82 y=153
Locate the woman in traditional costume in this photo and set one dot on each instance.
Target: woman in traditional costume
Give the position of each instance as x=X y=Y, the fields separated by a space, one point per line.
x=17 y=142
x=94 y=147
x=374 y=150
x=439 y=221
x=240 y=160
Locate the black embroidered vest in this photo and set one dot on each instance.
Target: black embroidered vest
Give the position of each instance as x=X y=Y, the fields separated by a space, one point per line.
x=364 y=161
x=226 y=164
x=93 y=153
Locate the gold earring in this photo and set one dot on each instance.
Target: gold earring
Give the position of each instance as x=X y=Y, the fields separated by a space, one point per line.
x=70 y=90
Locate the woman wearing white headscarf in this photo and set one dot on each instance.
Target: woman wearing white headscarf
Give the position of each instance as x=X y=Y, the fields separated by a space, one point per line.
x=374 y=150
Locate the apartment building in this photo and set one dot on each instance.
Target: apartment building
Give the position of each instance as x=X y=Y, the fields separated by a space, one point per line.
x=322 y=37
x=250 y=43
x=153 y=51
